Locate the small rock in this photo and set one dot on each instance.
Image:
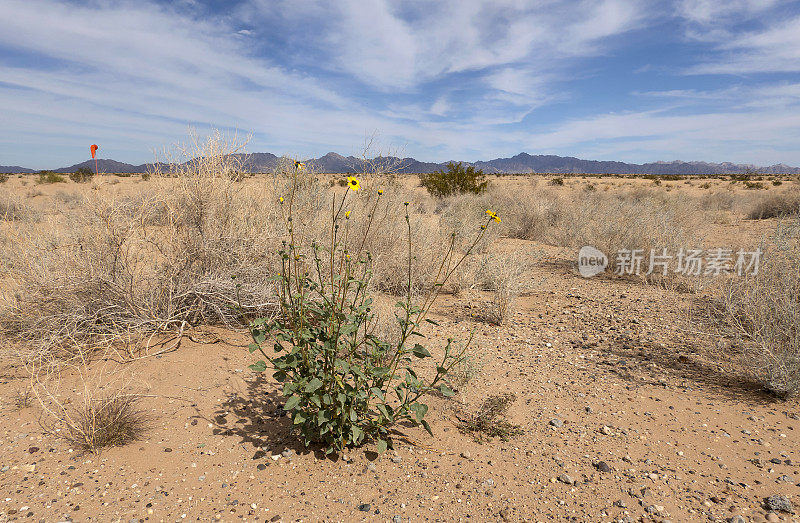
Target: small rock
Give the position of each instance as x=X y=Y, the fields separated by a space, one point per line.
x=167 y=449
x=396 y=459
x=287 y=453
x=371 y=467
x=556 y=423
x=588 y=410
x=364 y=507
x=33 y=450
x=466 y=455
x=603 y=467
x=29 y=468
x=565 y=478
x=276 y=517
x=621 y=504
x=606 y=430
x=397 y=519
x=772 y=517
x=779 y=504
x=737 y=519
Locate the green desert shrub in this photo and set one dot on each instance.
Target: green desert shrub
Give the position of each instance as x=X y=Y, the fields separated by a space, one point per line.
x=48 y=177
x=82 y=175
x=345 y=381
x=457 y=179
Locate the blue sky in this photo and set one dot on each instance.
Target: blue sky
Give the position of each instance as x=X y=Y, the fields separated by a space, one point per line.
x=625 y=80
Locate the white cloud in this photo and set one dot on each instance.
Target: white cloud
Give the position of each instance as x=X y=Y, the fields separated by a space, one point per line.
x=720 y=11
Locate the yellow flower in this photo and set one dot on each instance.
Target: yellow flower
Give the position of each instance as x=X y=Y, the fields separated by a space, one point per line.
x=406 y=203
x=299 y=165
x=380 y=191
x=347 y=215
x=483 y=227
x=493 y=215
x=353 y=183
x=280 y=199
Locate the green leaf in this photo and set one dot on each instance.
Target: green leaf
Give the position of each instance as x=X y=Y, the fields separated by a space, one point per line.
x=420 y=351
x=253 y=347
x=377 y=392
x=291 y=403
x=432 y=321
x=259 y=366
x=313 y=385
x=381 y=446
x=427 y=427
x=446 y=391
x=420 y=409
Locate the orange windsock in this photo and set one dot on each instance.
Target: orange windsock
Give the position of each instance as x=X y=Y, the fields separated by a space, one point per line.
x=93 y=148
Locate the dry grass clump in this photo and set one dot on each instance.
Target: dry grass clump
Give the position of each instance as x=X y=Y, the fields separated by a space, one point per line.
x=761 y=311
x=85 y=404
x=490 y=419
x=103 y=422
x=776 y=205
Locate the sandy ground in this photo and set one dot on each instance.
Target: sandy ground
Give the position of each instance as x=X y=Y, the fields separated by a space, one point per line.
x=627 y=412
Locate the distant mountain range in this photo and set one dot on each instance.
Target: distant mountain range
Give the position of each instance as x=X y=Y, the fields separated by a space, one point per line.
x=522 y=163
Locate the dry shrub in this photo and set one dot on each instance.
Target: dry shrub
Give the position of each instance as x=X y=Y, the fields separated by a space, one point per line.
x=638 y=220
x=717 y=201
x=775 y=206
x=504 y=273
x=490 y=419
x=761 y=311
x=23 y=398
x=12 y=209
x=466 y=369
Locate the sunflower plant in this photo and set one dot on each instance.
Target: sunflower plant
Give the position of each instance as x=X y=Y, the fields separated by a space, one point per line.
x=344 y=385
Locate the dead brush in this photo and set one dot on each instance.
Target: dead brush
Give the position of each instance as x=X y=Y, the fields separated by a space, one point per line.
x=759 y=311
x=776 y=206
x=505 y=275
x=490 y=421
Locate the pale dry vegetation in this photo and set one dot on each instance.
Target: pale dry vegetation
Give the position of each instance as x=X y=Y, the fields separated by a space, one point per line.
x=760 y=311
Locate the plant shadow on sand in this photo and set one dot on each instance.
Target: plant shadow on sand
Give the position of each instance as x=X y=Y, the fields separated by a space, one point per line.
x=689 y=365
x=256 y=416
